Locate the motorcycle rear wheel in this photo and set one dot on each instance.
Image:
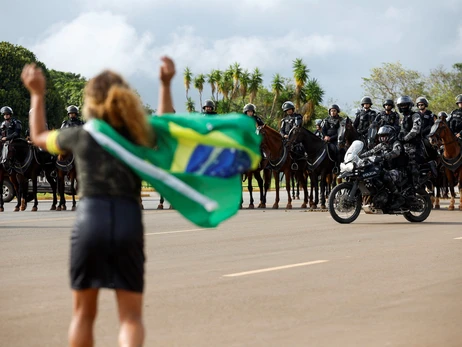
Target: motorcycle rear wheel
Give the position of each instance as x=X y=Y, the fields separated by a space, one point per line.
x=423 y=213
x=342 y=210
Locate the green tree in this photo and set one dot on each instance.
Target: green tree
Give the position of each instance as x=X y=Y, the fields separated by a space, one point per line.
x=70 y=86
x=256 y=81
x=244 y=81
x=277 y=86
x=199 y=82
x=443 y=87
x=213 y=78
x=237 y=71
x=187 y=79
x=311 y=95
x=300 y=76
x=190 y=105
x=14 y=94
x=392 y=80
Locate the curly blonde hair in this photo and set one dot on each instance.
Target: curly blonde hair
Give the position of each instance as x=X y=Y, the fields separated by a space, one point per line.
x=108 y=96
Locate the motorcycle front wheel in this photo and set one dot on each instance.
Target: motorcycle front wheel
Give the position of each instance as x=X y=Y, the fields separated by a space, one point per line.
x=341 y=208
x=420 y=209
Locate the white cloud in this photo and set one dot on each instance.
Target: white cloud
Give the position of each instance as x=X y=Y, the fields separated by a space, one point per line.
x=398 y=14
x=92 y=42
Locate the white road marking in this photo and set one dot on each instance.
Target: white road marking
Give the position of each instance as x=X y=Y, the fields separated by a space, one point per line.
x=458 y=238
x=177 y=231
x=13 y=221
x=275 y=268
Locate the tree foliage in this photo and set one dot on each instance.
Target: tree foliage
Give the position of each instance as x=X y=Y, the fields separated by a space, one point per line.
x=14 y=94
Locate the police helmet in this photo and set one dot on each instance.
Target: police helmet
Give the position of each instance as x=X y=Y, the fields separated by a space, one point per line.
x=6 y=110
x=250 y=107
x=421 y=100
x=288 y=105
x=404 y=103
x=458 y=98
x=335 y=107
x=386 y=134
x=389 y=102
x=72 y=109
x=366 y=100
x=318 y=122
x=442 y=115
x=208 y=103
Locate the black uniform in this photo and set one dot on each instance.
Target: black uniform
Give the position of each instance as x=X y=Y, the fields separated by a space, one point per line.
x=363 y=120
x=330 y=128
x=258 y=120
x=290 y=122
x=392 y=119
x=427 y=122
x=72 y=122
x=11 y=129
x=455 y=121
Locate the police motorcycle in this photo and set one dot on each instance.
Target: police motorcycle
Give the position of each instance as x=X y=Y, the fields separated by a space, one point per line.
x=364 y=189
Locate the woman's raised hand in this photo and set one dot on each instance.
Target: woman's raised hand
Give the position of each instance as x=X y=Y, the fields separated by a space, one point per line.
x=33 y=79
x=167 y=70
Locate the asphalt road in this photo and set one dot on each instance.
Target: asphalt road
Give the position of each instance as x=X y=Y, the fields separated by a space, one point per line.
x=263 y=278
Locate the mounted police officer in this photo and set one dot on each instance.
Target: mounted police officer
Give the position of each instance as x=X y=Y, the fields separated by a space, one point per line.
x=427 y=116
x=291 y=119
x=410 y=134
x=395 y=159
x=330 y=131
x=388 y=116
x=208 y=107
x=10 y=129
x=318 y=132
x=455 y=119
x=73 y=120
x=365 y=116
x=250 y=110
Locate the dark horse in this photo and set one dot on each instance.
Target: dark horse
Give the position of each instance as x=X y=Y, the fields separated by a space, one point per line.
x=276 y=152
x=451 y=157
x=65 y=168
x=347 y=134
x=320 y=161
x=25 y=162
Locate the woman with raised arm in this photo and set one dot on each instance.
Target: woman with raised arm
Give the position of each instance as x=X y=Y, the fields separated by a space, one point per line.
x=107 y=245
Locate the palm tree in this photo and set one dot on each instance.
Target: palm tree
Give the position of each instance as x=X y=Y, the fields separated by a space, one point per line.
x=190 y=105
x=300 y=76
x=277 y=86
x=256 y=80
x=244 y=82
x=199 y=81
x=311 y=95
x=217 y=76
x=237 y=71
x=187 y=78
x=225 y=85
x=212 y=80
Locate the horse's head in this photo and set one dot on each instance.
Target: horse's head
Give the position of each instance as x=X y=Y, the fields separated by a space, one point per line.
x=341 y=139
x=17 y=150
x=439 y=132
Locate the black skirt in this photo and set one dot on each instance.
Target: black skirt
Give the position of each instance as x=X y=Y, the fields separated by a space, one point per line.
x=107 y=245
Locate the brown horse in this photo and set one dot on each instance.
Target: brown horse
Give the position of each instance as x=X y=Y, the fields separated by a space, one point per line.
x=276 y=152
x=451 y=157
x=65 y=168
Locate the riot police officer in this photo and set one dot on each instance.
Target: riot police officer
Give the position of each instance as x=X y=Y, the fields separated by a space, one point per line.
x=208 y=107
x=73 y=120
x=427 y=116
x=388 y=116
x=250 y=110
x=410 y=134
x=365 y=116
x=291 y=119
x=11 y=127
x=318 y=131
x=395 y=159
x=455 y=119
x=331 y=125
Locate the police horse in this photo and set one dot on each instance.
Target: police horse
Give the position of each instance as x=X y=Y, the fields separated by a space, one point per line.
x=65 y=168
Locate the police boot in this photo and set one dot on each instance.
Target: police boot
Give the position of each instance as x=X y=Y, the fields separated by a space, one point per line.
x=396 y=199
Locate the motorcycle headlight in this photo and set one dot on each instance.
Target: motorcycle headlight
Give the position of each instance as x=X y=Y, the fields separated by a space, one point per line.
x=347 y=167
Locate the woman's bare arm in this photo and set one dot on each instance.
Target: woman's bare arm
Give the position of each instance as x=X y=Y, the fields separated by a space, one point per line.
x=167 y=71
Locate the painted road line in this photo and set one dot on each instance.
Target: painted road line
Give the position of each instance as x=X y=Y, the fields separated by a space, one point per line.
x=177 y=231
x=458 y=238
x=275 y=268
x=35 y=220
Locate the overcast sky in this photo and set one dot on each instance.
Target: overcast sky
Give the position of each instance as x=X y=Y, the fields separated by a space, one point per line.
x=339 y=40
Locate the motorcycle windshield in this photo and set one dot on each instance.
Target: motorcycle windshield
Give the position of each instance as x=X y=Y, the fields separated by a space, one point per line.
x=352 y=153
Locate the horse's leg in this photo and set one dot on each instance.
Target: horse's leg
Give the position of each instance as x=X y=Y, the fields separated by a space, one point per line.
x=1 y=185
x=53 y=184
x=62 y=198
x=316 y=190
x=304 y=182
x=161 y=203
x=437 y=198
x=323 y=191
x=292 y=178
x=34 y=191
x=73 y=180
x=450 y=177
x=276 y=178
x=266 y=185
x=288 y=173
x=259 y=180
x=250 y=189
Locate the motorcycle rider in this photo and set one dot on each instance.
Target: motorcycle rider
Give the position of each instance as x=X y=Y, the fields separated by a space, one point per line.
x=330 y=131
x=318 y=131
x=426 y=115
x=10 y=129
x=291 y=119
x=388 y=116
x=410 y=134
x=74 y=120
x=455 y=119
x=208 y=107
x=364 y=117
x=250 y=110
x=395 y=159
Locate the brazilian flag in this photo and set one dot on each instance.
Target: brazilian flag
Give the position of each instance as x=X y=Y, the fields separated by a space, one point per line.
x=196 y=164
